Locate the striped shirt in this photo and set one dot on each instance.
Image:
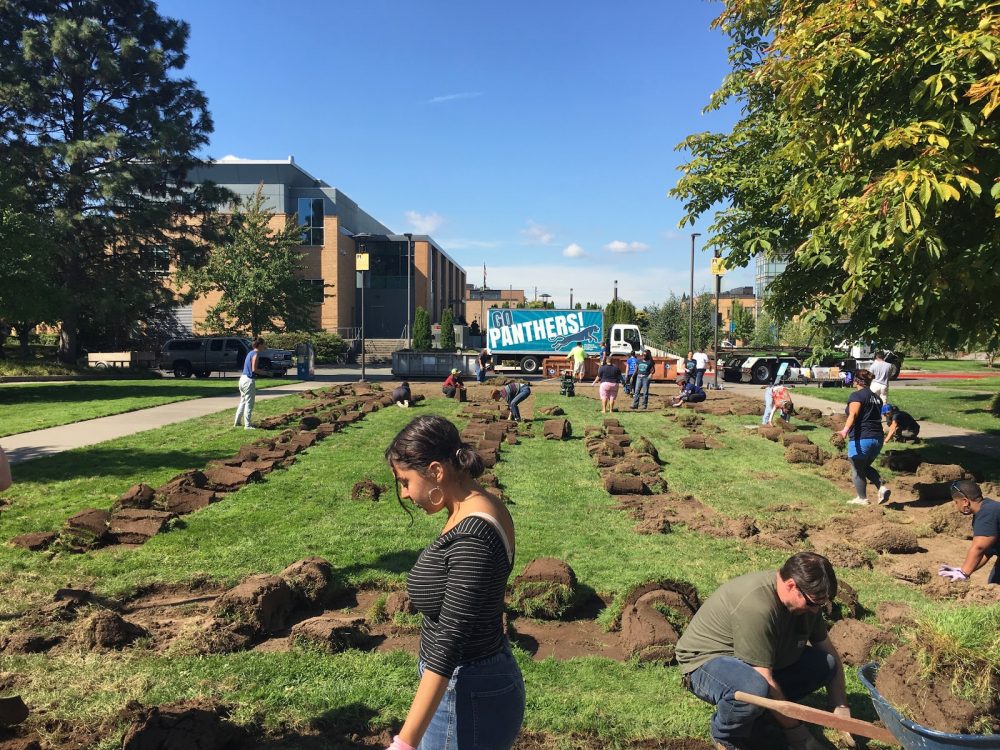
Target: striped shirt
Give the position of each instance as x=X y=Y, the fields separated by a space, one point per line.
x=458 y=584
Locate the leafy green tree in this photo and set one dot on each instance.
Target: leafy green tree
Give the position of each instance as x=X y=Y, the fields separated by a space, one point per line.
x=258 y=270
x=422 y=340
x=618 y=311
x=667 y=323
x=448 y=343
x=765 y=331
x=866 y=152
x=95 y=113
x=705 y=321
x=743 y=322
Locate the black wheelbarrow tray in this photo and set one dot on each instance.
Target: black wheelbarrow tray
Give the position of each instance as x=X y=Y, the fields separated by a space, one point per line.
x=914 y=736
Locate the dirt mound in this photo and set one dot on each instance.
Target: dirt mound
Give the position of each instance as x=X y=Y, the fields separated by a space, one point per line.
x=645 y=447
x=107 y=631
x=137 y=496
x=85 y=530
x=552 y=411
x=724 y=403
x=902 y=461
x=182 y=726
x=834 y=422
x=941 y=473
x=889 y=537
x=653 y=617
x=367 y=490
x=809 y=414
x=546 y=589
x=794 y=438
x=838 y=441
x=894 y=613
x=311 y=582
x=694 y=442
x=398 y=602
x=260 y=605
x=837 y=468
x=332 y=632
x=903 y=681
x=35 y=541
x=845 y=555
x=912 y=571
x=771 y=433
x=804 y=454
x=855 y=640
x=625 y=484
x=946 y=520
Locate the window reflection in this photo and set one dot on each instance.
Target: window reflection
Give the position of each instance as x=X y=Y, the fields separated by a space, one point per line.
x=310 y=212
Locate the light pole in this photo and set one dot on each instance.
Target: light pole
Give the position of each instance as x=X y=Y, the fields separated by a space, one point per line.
x=545 y=299
x=571 y=298
x=362 y=264
x=691 y=297
x=409 y=304
x=616 y=290
x=718 y=289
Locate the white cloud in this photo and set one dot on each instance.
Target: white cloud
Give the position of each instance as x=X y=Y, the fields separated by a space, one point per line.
x=424 y=223
x=453 y=97
x=537 y=234
x=617 y=246
x=574 y=251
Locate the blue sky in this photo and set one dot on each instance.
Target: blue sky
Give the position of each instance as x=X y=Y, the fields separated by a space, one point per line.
x=535 y=137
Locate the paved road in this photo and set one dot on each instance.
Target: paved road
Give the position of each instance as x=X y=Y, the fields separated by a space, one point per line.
x=930 y=432
x=28 y=445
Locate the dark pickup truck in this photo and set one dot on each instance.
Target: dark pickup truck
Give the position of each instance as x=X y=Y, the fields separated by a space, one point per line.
x=204 y=355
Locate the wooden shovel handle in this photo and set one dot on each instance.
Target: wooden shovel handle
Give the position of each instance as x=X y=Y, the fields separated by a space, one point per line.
x=823 y=718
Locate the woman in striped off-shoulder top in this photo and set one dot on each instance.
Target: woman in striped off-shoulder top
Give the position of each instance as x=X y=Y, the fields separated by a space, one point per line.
x=471 y=694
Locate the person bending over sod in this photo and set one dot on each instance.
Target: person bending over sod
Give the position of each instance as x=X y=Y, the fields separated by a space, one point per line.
x=471 y=693
x=513 y=394
x=751 y=635
x=688 y=393
x=985 y=514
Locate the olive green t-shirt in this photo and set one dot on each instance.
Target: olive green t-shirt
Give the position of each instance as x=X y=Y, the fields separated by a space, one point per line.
x=744 y=618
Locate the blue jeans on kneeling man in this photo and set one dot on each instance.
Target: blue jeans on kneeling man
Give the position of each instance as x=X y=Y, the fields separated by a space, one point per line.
x=716 y=682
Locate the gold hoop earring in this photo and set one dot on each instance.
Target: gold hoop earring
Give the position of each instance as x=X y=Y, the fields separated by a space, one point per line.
x=430 y=497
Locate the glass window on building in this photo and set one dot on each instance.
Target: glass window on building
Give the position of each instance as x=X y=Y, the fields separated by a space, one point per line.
x=318 y=290
x=768 y=269
x=157 y=259
x=310 y=215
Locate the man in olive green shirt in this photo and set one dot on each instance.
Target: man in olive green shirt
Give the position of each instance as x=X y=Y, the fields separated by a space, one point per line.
x=763 y=633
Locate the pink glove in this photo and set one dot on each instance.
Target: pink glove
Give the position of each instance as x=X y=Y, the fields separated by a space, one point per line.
x=398 y=744
x=954 y=574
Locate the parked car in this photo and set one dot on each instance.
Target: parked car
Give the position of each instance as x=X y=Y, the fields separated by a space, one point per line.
x=204 y=355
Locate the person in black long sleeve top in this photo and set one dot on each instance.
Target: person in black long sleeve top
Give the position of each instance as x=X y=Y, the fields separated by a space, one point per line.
x=470 y=685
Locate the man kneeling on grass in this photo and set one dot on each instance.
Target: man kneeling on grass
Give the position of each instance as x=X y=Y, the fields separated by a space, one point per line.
x=751 y=635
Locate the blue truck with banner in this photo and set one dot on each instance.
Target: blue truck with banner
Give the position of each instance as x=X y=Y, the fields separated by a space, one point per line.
x=524 y=337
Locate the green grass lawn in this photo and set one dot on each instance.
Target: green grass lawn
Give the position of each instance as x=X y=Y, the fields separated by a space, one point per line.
x=954 y=406
x=948 y=365
x=35 y=406
x=559 y=509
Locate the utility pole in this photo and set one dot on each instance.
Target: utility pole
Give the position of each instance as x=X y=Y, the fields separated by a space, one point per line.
x=409 y=304
x=616 y=290
x=571 y=298
x=691 y=297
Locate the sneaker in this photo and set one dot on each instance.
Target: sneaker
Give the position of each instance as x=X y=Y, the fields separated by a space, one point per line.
x=248 y=427
x=858 y=501
x=883 y=494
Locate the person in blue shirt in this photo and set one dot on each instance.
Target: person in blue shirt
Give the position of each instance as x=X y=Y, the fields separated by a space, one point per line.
x=689 y=393
x=248 y=385
x=969 y=500
x=630 y=365
x=644 y=370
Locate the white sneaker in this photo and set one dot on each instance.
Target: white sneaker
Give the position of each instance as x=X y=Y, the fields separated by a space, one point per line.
x=248 y=427
x=883 y=494
x=858 y=501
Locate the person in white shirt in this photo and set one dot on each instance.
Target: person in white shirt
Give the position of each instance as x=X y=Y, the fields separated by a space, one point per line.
x=881 y=371
x=701 y=364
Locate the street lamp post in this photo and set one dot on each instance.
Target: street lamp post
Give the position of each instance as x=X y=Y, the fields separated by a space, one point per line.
x=409 y=304
x=691 y=297
x=571 y=298
x=715 y=350
x=616 y=290
x=361 y=264
x=545 y=299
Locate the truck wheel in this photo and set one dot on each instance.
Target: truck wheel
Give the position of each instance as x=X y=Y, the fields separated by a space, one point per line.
x=202 y=373
x=761 y=374
x=182 y=369
x=732 y=376
x=529 y=365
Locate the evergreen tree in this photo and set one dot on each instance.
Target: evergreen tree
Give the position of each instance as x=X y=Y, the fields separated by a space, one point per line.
x=743 y=322
x=448 y=343
x=258 y=271
x=93 y=110
x=422 y=339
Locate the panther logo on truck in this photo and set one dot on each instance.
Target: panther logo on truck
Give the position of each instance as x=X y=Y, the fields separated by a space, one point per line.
x=589 y=333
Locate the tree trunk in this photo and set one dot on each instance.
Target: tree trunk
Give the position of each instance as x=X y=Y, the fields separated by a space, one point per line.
x=24 y=331
x=69 y=336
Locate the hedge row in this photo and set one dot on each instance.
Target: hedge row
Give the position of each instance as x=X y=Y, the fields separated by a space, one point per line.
x=327 y=345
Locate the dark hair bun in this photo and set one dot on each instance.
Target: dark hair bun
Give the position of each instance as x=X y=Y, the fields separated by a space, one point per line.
x=468 y=461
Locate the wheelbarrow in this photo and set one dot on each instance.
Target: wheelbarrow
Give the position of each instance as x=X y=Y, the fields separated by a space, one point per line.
x=913 y=736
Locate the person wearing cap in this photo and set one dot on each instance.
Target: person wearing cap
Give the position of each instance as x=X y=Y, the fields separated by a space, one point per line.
x=969 y=500
x=453 y=383
x=513 y=394
x=902 y=427
x=752 y=635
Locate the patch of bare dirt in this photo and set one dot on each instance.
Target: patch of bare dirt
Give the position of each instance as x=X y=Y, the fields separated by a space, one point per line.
x=855 y=640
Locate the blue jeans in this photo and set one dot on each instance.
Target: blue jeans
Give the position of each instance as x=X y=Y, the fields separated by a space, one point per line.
x=523 y=392
x=699 y=377
x=862 y=454
x=482 y=709
x=641 y=391
x=717 y=681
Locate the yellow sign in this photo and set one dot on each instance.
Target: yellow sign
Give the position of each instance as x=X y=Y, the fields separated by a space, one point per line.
x=362 y=262
x=718 y=266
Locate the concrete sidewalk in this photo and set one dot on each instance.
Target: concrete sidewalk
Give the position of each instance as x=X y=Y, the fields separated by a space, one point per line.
x=932 y=433
x=40 y=443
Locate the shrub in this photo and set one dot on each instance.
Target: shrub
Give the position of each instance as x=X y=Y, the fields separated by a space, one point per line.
x=327 y=345
x=422 y=341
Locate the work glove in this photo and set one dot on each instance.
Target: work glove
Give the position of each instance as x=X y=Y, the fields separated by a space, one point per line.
x=398 y=744
x=845 y=713
x=954 y=574
x=799 y=738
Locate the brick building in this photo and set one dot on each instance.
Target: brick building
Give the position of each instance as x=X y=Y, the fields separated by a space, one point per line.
x=333 y=228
